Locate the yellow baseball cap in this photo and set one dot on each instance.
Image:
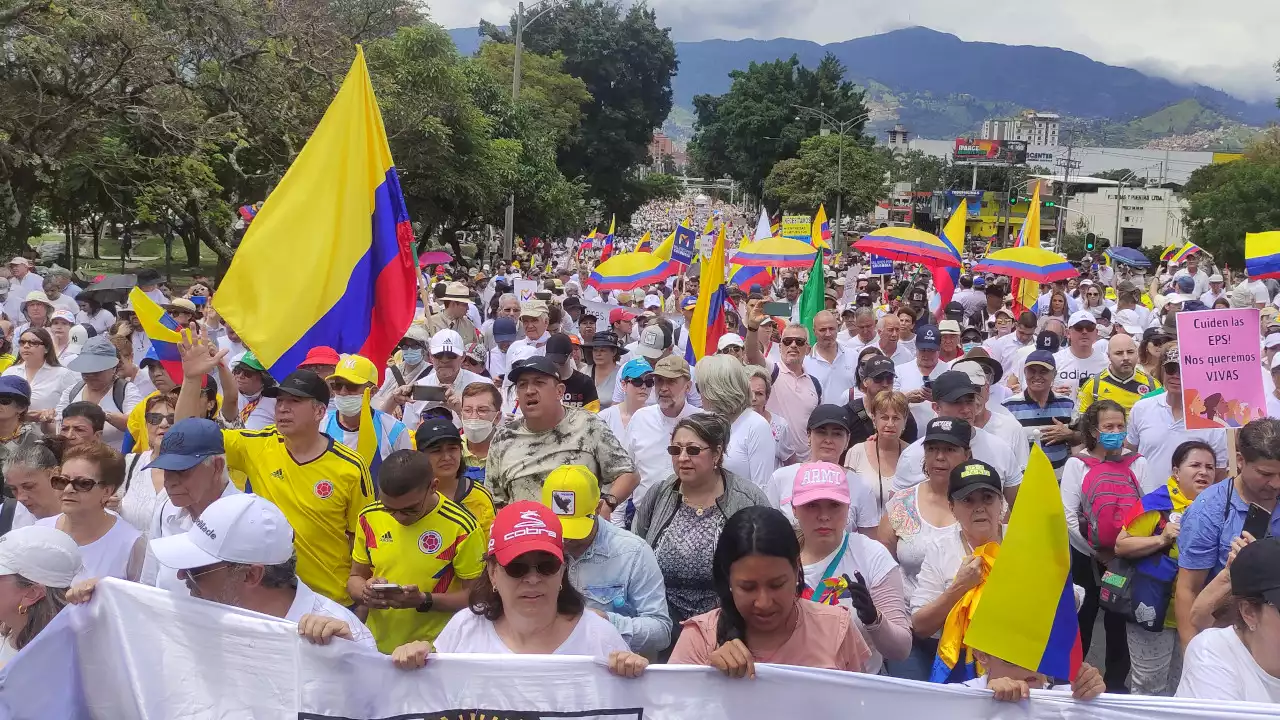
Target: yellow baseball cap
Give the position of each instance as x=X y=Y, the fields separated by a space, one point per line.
x=573 y=493
x=355 y=369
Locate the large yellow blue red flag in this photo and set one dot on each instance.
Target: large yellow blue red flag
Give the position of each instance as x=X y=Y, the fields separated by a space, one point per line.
x=708 y=322
x=328 y=259
x=1027 y=614
x=946 y=277
x=161 y=329
x=1262 y=255
x=646 y=243
x=1025 y=292
x=1187 y=249
x=820 y=233
x=606 y=248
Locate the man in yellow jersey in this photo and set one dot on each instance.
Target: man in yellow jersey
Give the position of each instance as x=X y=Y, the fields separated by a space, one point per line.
x=318 y=483
x=1122 y=381
x=415 y=556
x=441 y=442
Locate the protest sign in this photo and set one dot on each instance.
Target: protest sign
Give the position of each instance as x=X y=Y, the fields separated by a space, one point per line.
x=881 y=265
x=136 y=651
x=682 y=248
x=797 y=226
x=1221 y=361
x=525 y=289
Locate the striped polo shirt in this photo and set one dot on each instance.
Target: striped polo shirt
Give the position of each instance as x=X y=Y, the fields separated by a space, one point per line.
x=1032 y=415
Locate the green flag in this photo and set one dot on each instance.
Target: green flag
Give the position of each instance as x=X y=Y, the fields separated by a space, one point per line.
x=813 y=299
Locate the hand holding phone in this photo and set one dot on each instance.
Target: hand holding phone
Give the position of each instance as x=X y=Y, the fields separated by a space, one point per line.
x=1258 y=522
x=777 y=309
x=428 y=393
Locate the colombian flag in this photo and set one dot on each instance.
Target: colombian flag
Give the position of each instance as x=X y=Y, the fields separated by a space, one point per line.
x=1262 y=255
x=775 y=224
x=646 y=243
x=163 y=331
x=1026 y=293
x=947 y=278
x=328 y=259
x=708 y=322
x=820 y=233
x=1028 y=611
x=1184 y=251
x=748 y=276
x=607 y=246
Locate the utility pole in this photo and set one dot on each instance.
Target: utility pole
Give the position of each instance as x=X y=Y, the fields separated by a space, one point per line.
x=841 y=129
x=1067 y=166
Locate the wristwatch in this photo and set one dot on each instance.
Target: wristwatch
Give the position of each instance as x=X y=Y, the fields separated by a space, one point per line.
x=425 y=605
x=609 y=500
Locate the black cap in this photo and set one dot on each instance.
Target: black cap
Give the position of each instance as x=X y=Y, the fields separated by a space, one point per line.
x=876 y=366
x=954 y=311
x=536 y=364
x=971 y=476
x=303 y=384
x=1048 y=341
x=571 y=302
x=1256 y=571
x=918 y=294
x=559 y=348
x=995 y=289
x=829 y=415
x=952 y=385
x=953 y=431
x=602 y=339
x=434 y=431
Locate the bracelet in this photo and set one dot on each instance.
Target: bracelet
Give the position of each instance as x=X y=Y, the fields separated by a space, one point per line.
x=425 y=605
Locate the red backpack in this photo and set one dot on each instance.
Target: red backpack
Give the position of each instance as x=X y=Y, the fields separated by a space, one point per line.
x=1108 y=491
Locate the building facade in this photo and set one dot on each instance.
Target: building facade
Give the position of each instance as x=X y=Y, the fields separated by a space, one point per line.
x=1031 y=127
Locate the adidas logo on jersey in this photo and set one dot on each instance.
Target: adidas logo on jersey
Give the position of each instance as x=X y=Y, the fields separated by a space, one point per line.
x=386 y=537
x=277 y=474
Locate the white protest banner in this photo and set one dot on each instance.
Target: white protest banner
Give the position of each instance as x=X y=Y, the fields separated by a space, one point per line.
x=525 y=289
x=138 y=652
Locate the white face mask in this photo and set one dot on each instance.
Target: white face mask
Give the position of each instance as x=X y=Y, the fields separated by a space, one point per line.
x=348 y=404
x=477 y=431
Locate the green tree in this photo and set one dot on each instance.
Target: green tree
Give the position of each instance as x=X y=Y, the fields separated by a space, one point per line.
x=746 y=131
x=627 y=63
x=1228 y=200
x=802 y=183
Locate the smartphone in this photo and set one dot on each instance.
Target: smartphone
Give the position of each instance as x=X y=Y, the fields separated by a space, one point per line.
x=384 y=587
x=1258 y=522
x=777 y=309
x=543 y=296
x=428 y=393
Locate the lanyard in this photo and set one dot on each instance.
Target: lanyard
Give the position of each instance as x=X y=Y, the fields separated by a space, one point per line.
x=835 y=561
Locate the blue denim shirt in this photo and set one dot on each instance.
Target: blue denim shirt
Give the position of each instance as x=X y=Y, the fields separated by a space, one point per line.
x=1205 y=539
x=619 y=576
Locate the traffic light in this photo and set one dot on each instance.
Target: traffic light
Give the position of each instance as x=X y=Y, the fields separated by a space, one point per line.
x=1090 y=241
x=1050 y=203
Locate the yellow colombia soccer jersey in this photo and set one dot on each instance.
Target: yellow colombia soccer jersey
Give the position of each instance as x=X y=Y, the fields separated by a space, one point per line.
x=479 y=502
x=321 y=499
x=435 y=553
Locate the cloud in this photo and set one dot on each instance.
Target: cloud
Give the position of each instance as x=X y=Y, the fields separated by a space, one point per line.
x=1227 y=44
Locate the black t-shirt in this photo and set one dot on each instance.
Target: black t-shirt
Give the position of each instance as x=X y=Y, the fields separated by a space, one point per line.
x=580 y=391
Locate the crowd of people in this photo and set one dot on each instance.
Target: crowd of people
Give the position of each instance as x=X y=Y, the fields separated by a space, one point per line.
x=553 y=474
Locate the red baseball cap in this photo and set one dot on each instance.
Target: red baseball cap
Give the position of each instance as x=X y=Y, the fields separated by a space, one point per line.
x=320 y=355
x=524 y=527
x=618 y=314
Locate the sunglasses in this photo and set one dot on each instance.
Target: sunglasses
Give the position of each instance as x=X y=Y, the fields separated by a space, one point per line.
x=732 y=349
x=340 y=386
x=154 y=418
x=31 y=343
x=690 y=450
x=445 y=357
x=794 y=341
x=641 y=382
x=189 y=576
x=517 y=569
x=7 y=400
x=60 y=483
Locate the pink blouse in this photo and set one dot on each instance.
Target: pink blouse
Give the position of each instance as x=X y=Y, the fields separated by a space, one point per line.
x=825 y=637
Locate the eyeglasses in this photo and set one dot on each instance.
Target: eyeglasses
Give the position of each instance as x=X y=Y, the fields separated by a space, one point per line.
x=517 y=569
x=154 y=418
x=8 y=400
x=189 y=576
x=445 y=357
x=60 y=483
x=641 y=382
x=31 y=343
x=408 y=512
x=794 y=341
x=732 y=349
x=690 y=450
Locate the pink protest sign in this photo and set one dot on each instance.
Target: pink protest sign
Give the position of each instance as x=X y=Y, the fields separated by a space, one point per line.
x=1221 y=359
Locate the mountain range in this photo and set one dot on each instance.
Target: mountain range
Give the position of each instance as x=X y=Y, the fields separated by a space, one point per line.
x=940 y=86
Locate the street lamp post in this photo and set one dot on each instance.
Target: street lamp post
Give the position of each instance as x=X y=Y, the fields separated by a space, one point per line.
x=841 y=129
x=542 y=8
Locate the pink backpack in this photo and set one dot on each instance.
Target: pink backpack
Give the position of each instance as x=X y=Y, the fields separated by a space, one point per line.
x=1108 y=491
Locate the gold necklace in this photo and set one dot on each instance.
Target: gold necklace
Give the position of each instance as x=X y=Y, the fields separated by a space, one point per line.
x=15 y=434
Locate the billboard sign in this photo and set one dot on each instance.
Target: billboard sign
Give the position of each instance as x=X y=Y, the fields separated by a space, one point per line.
x=977 y=150
x=797 y=226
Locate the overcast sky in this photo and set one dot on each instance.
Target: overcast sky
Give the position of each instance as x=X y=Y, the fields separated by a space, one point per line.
x=1228 y=44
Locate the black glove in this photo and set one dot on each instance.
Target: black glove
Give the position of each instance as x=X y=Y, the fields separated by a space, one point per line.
x=861 y=598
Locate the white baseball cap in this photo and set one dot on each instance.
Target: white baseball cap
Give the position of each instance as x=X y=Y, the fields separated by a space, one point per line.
x=729 y=339
x=1081 y=316
x=447 y=341
x=40 y=554
x=652 y=301
x=974 y=370
x=240 y=528
x=1273 y=340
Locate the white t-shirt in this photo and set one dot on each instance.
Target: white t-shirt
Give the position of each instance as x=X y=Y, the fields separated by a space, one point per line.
x=984 y=446
x=47 y=386
x=863 y=511
x=787 y=443
x=414 y=408
x=139 y=499
x=262 y=414
x=1072 y=491
x=111 y=435
x=863 y=555
x=109 y=555
x=167 y=520
x=751 y=452
x=1260 y=293
x=907 y=377
x=646 y=441
x=1217 y=666
x=1074 y=371
x=1155 y=434
x=308 y=602
x=836 y=377
x=470 y=633
x=101 y=321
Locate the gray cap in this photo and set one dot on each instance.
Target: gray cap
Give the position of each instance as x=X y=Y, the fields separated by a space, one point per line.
x=98 y=354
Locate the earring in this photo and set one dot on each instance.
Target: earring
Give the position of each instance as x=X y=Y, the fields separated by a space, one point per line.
x=22 y=609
